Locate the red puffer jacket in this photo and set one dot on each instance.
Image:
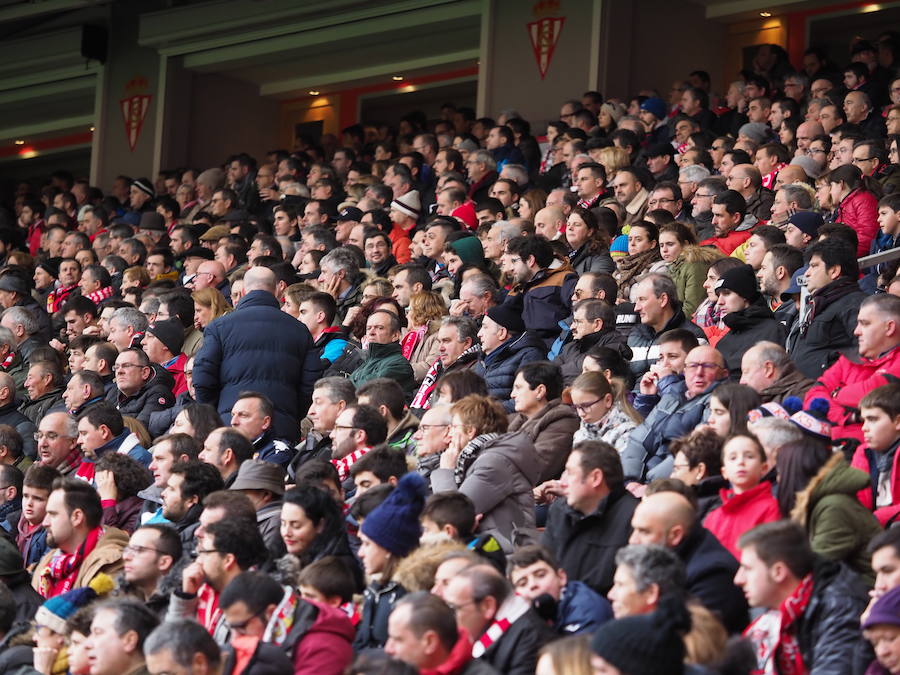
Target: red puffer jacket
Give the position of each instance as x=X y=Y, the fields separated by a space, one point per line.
x=846 y=382
x=859 y=210
x=866 y=460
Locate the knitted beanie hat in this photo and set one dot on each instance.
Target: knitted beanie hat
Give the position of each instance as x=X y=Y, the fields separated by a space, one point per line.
x=740 y=280
x=814 y=420
x=886 y=610
x=508 y=315
x=656 y=107
x=469 y=249
x=640 y=645
x=170 y=332
x=145 y=186
x=410 y=204
x=394 y=524
x=55 y=611
x=755 y=131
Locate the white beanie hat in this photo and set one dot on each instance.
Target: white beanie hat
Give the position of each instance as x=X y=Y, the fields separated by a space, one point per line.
x=410 y=204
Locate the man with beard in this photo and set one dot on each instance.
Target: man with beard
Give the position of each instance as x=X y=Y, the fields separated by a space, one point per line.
x=81 y=547
x=189 y=483
x=701 y=205
x=356 y=431
x=150 y=555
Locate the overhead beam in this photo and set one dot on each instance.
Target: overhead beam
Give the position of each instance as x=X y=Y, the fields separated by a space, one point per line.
x=30 y=79
x=338 y=77
x=30 y=10
x=719 y=10
x=26 y=130
x=47 y=90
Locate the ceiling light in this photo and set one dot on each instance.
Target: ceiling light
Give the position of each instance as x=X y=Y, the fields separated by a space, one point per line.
x=20 y=142
x=313 y=92
x=397 y=78
x=765 y=15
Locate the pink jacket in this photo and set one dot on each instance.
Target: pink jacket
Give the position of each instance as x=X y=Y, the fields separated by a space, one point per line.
x=846 y=382
x=865 y=459
x=859 y=210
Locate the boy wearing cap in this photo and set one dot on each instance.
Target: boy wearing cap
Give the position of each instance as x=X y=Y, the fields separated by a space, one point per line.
x=746 y=315
x=162 y=344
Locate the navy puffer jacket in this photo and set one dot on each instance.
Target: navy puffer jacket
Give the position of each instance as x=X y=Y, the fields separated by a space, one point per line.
x=499 y=367
x=258 y=348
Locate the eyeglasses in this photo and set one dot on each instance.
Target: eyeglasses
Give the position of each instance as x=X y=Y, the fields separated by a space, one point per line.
x=815 y=151
x=661 y=200
x=702 y=366
x=426 y=427
x=702 y=196
x=584 y=407
x=857 y=160
x=242 y=626
x=341 y=426
x=456 y=608
x=125 y=366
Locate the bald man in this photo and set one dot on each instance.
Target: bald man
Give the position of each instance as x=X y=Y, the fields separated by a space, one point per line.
x=549 y=222
x=746 y=179
x=258 y=348
x=646 y=456
x=669 y=519
x=792 y=173
x=211 y=274
x=805 y=133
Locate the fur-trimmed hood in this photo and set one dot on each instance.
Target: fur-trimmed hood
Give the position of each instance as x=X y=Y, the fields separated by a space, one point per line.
x=700 y=254
x=416 y=571
x=835 y=477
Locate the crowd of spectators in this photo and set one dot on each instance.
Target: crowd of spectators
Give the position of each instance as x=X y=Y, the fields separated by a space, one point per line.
x=455 y=398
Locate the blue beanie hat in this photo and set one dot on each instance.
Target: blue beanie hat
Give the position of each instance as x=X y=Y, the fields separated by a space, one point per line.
x=394 y=524
x=655 y=106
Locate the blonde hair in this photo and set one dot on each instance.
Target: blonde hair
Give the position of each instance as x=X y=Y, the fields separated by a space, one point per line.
x=212 y=299
x=299 y=292
x=382 y=286
x=426 y=306
x=595 y=383
x=613 y=159
x=138 y=274
x=570 y=655
x=705 y=643
x=138 y=430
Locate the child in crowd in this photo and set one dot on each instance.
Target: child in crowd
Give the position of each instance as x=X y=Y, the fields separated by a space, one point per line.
x=878 y=457
x=32 y=537
x=728 y=408
x=572 y=606
x=749 y=502
x=330 y=581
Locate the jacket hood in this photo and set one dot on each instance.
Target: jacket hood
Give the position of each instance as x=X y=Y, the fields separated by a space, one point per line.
x=524 y=341
x=331 y=620
x=835 y=477
x=518 y=449
x=700 y=254
x=750 y=317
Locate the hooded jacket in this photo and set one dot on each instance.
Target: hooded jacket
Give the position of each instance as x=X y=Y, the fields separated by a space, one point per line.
x=426 y=351
x=839 y=527
x=547 y=300
x=551 y=431
x=571 y=357
x=385 y=360
x=499 y=482
x=106 y=558
x=585 y=260
x=865 y=459
x=585 y=545
x=320 y=639
x=688 y=272
x=499 y=367
x=746 y=328
x=239 y=353
x=760 y=204
x=829 y=331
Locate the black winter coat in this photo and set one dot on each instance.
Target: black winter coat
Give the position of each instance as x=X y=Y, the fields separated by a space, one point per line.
x=499 y=367
x=748 y=327
x=26 y=428
x=258 y=348
x=571 y=357
x=516 y=652
x=586 y=545
x=642 y=340
x=710 y=577
x=378 y=603
x=155 y=395
x=816 y=346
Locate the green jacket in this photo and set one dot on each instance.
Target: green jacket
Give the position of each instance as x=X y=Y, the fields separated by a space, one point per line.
x=839 y=526
x=385 y=361
x=689 y=272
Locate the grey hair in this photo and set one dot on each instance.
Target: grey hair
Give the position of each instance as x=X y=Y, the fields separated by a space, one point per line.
x=799 y=78
x=774 y=353
x=507 y=230
x=466 y=328
x=481 y=284
x=131 y=316
x=652 y=564
x=694 y=173
x=821 y=102
x=884 y=303
x=662 y=284
x=23 y=317
x=800 y=193
x=338 y=389
x=150 y=305
x=342 y=259
x=517 y=172
x=774 y=432
x=485 y=157
x=183 y=639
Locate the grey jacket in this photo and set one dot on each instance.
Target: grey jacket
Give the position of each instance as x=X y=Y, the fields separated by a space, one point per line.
x=499 y=481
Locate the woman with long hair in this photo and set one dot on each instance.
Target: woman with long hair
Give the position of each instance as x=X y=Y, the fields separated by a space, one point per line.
x=531 y=202
x=687 y=263
x=643 y=256
x=588 y=244
x=856 y=203
x=817 y=488
x=420 y=345
x=728 y=408
x=208 y=305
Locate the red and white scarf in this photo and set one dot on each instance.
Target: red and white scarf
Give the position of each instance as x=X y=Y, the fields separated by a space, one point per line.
x=768 y=181
x=208 y=612
x=57 y=297
x=62 y=570
x=282 y=618
x=8 y=361
x=410 y=340
x=420 y=400
x=100 y=295
x=774 y=634
x=343 y=465
x=510 y=611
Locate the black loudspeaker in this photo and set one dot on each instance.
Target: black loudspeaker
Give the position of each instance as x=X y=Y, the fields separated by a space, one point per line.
x=94 y=43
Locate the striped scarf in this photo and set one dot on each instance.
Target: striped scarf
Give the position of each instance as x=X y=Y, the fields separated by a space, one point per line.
x=8 y=361
x=100 y=295
x=343 y=465
x=510 y=612
x=62 y=571
x=57 y=297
